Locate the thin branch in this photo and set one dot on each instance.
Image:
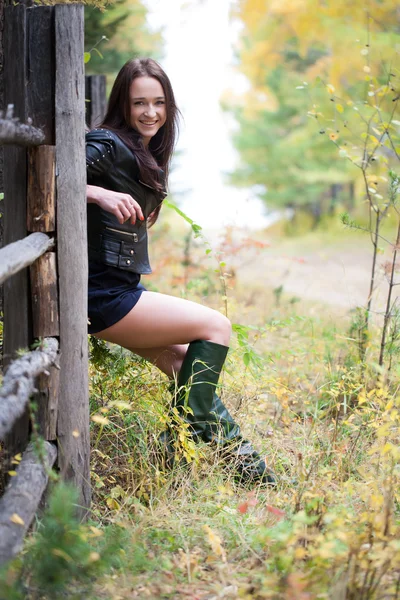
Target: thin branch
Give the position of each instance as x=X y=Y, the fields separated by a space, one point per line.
x=359 y=228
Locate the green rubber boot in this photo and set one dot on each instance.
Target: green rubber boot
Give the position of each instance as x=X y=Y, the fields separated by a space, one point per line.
x=247 y=463
x=208 y=417
x=193 y=393
x=196 y=384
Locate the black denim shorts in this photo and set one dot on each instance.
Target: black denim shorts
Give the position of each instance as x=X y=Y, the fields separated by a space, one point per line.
x=112 y=295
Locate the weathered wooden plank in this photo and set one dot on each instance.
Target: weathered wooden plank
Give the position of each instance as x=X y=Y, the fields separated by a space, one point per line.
x=44 y=292
x=73 y=407
x=96 y=100
x=16 y=296
x=48 y=387
x=41 y=210
x=19 y=382
x=21 y=254
x=19 y=503
x=40 y=73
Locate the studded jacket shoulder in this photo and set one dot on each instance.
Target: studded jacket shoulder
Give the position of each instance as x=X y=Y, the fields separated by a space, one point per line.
x=112 y=165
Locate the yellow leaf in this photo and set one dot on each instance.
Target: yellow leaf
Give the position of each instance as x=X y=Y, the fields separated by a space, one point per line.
x=100 y=420
x=215 y=542
x=300 y=553
x=93 y=557
x=383 y=430
x=388 y=447
x=16 y=519
x=389 y=405
x=96 y=531
x=61 y=554
x=113 y=504
x=339 y=108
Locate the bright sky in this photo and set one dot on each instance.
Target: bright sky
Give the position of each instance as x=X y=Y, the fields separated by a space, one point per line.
x=198 y=59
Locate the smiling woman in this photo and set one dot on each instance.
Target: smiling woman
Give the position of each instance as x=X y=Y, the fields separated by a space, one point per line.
x=148 y=112
x=127 y=164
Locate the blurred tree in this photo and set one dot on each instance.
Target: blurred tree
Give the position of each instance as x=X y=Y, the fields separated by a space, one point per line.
x=283 y=152
x=128 y=19
x=331 y=29
x=295 y=53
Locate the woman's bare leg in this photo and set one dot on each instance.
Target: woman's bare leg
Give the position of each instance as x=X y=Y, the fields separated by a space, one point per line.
x=168 y=359
x=158 y=321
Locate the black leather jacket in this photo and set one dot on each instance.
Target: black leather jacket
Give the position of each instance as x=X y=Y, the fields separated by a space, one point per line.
x=112 y=165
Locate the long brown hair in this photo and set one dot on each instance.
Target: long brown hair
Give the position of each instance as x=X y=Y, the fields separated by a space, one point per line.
x=159 y=152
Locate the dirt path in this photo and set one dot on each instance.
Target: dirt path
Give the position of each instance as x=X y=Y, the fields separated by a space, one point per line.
x=337 y=276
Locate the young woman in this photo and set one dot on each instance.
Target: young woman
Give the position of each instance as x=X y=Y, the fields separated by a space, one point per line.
x=128 y=159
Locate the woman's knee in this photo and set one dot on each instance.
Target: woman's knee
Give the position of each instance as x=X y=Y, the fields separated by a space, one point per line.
x=219 y=329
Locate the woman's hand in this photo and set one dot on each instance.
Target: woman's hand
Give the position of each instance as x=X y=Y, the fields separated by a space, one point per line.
x=122 y=206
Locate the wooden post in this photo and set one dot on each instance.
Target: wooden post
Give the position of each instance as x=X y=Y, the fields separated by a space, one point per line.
x=17 y=332
x=41 y=213
x=44 y=296
x=73 y=406
x=96 y=102
x=40 y=76
x=41 y=216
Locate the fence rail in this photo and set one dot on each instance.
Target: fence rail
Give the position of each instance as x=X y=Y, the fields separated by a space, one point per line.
x=12 y=131
x=18 y=255
x=20 y=502
x=19 y=382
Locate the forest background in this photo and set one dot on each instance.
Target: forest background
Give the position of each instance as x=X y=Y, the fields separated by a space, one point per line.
x=313 y=372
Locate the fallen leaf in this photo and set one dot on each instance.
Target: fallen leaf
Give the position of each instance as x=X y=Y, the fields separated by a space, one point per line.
x=243 y=508
x=16 y=519
x=275 y=511
x=215 y=542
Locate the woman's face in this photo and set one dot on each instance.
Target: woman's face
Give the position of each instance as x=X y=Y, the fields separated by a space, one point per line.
x=148 y=110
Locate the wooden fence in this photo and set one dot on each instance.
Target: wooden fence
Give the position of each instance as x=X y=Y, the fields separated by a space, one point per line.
x=45 y=230
x=95 y=94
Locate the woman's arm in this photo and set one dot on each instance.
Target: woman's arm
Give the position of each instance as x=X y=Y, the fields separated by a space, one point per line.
x=123 y=206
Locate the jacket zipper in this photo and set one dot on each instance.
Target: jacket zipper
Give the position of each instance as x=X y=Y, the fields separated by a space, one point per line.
x=134 y=235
